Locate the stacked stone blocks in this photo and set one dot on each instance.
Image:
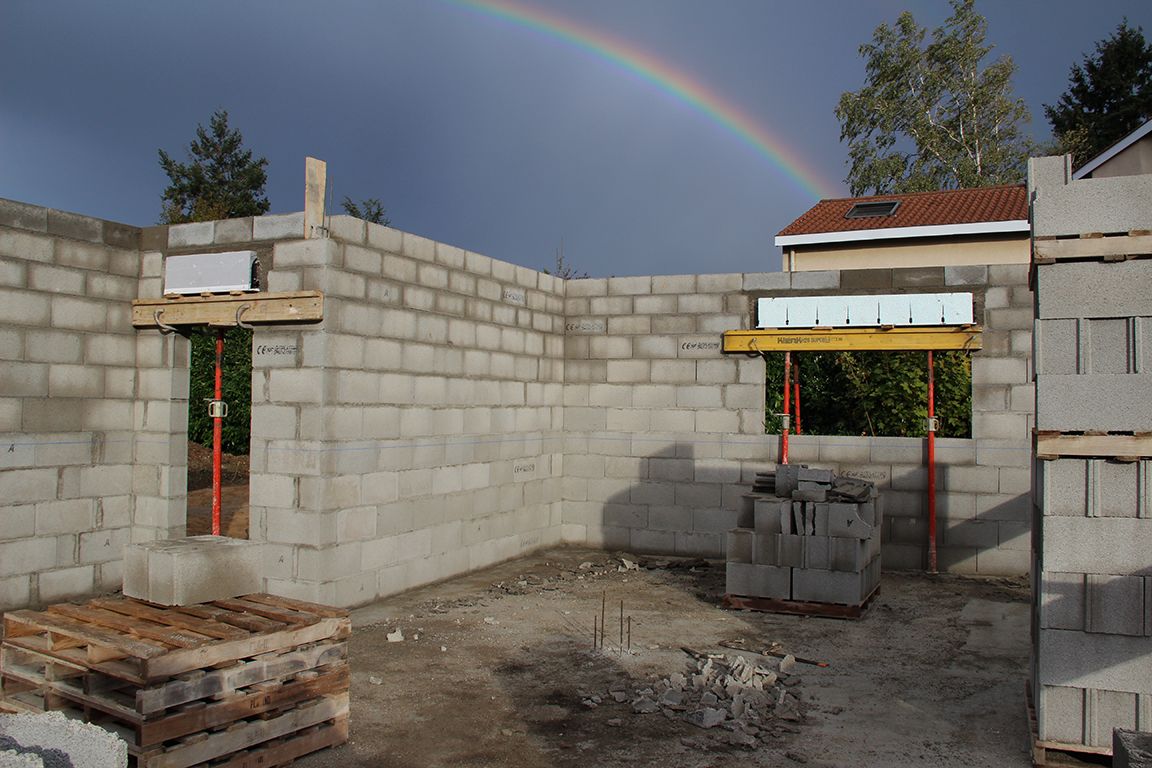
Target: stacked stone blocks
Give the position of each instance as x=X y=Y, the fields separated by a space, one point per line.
x=1093 y=512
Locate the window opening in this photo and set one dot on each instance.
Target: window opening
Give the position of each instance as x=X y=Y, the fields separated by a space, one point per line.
x=872 y=209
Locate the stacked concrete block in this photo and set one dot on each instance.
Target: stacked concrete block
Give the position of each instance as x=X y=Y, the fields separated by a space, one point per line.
x=815 y=538
x=659 y=423
x=70 y=409
x=414 y=434
x=1093 y=514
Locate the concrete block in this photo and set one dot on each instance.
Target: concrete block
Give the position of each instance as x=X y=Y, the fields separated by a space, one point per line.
x=280 y=227
x=966 y=275
x=1131 y=749
x=1109 y=710
x=1115 y=604
x=818 y=552
x=192 y=570
x=1060 y=714
x=813 y=280
x=758 y=581
x=1094 y=289
x=1117 y=402
x=65 y=583
x=766 y=549
x=904 y=557
x=739 y=545
x=1104 y=545
x=849 y=554
x=1118 y=662
x=58 y=740
x=823 y=586
x=791 y=550
x=767 y=281
x=767 y=515
x=844 y=520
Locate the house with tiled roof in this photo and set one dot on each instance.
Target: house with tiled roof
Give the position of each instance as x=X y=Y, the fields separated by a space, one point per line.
x=957 y=227
x=1131 y=156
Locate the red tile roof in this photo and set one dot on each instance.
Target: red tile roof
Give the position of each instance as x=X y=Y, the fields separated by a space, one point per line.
x=921 y=209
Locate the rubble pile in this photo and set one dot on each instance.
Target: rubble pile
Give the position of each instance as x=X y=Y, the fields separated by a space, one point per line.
x=808 y=536
x=747 y=701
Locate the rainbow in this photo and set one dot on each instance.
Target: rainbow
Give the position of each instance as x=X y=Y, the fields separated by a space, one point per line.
x=666 y=78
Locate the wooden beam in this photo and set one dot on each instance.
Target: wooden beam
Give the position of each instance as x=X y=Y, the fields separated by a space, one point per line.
x=1052 y=445
x=1119 y=246
x=225 y=310
x=827 y=339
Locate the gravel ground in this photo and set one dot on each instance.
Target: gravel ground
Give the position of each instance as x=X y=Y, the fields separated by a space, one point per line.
x=497 y=668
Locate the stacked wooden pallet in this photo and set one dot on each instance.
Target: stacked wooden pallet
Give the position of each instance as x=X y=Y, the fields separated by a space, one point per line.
x=253 y=681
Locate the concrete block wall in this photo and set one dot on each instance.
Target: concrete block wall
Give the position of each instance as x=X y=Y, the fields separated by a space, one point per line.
x=70 y=373
x=415 y=433
x=663 y=433
x=1092 y=637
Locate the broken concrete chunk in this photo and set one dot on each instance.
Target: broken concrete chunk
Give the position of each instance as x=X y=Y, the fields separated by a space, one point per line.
x=706 y=717
x=645 y=706
x=820 y=494
x=787 y=663
x=396 y=637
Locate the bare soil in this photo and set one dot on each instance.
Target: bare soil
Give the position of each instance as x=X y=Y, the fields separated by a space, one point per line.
x=234 y=493
x=497 y=668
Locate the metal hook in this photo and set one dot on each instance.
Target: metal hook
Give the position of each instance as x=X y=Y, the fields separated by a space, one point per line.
x=164 y=327
x=241 y=310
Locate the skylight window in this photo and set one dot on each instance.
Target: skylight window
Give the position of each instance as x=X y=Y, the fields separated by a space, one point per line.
x=869 y=210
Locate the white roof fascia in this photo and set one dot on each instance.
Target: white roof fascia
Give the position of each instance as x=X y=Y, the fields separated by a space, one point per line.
x=939 y=230
x=1114 y=150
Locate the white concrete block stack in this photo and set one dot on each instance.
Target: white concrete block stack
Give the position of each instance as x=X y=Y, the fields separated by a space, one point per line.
x=816 y=539
x=1092 y=655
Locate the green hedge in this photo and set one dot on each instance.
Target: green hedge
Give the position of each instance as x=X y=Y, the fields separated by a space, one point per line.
x=873 y=393
x=236 y=384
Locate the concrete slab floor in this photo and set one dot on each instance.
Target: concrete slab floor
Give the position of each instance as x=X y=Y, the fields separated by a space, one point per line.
x=496 y=668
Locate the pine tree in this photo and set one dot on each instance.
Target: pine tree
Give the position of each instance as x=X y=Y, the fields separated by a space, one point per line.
x=220 y=181
x=1108 y=96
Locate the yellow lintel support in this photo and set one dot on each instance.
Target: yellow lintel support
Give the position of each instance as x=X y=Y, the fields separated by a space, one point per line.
x=223 y=310
x=828 y=339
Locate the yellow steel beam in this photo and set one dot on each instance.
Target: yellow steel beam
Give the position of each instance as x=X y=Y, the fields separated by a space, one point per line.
x=815 y=339
x=220 y=310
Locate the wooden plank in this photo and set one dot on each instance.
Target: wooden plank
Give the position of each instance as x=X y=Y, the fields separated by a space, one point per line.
x=1051 y=445
x=799 y=607
x=220 y=310
x=130 y=607
x=244 y=706
x=302 y=606
x=172 y=693
x=828 y=339
x=247 y=734
x=133 y=626
x=250 y=622
x=285 y=751
x=67 y=632
x=1094 y=247
x=186 y=659
x=285 y=615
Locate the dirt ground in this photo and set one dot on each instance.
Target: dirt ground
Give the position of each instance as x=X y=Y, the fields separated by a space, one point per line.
x=234 y=493
x=496 y=668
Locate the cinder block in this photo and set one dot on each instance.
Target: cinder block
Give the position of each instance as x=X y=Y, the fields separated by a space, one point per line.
x=1131 y=749
x=1103 y=545
x=192 y=570
x=1094 y=289
x=56 y=740
x=791 y=550
x=850 y=554
x=818 y=552
x=759 y=581
x=740 y=545
x=1115 y=604
x=822 y=586
x=844 y=520
x=1063 y=485
x=766 y=549
x=767 y=515
x=1111 y=709
x=1087 y=402
x=1118 y=662
x=1062 y=601
x=1060 y=714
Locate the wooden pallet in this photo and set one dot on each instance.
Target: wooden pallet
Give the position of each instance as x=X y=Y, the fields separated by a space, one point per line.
x=1054 y=754
x=1118 y=446
x=257 y=680
x=1093 y=246
x=800 y=607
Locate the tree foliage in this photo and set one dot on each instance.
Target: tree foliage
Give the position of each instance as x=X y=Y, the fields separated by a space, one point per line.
x=236 y=385
x=933 y=116
x=221 y=180
x=874 y=393
x=1108 y=96
x=370 y=210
